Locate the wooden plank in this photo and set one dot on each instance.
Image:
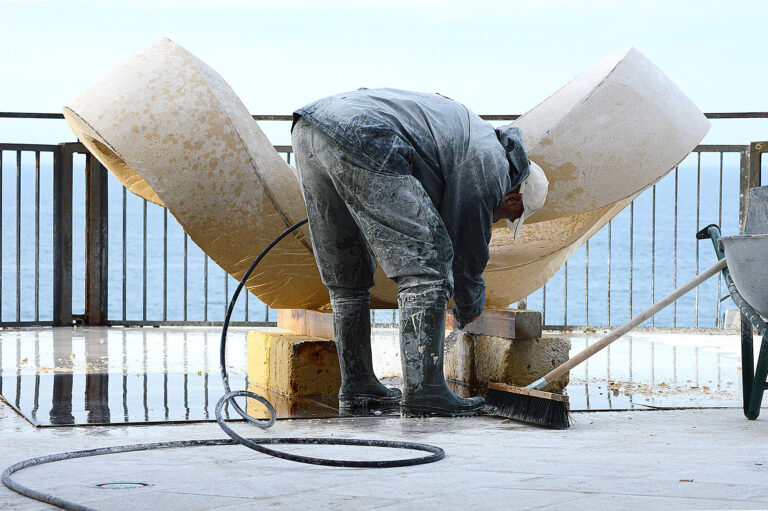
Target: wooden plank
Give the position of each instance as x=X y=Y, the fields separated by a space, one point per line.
x=528 y=392
x=507 y=323
x=306 y=322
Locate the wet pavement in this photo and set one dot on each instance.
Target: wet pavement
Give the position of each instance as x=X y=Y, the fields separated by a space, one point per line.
x=635 y=455
x=82 y=375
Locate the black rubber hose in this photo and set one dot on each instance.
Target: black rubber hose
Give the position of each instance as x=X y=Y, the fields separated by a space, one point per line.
x=256 y=444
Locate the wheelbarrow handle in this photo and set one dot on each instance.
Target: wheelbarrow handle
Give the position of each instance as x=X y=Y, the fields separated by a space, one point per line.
x=626 y=327
x=712 y=231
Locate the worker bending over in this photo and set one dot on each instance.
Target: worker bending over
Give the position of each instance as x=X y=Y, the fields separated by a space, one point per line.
x=415 y=180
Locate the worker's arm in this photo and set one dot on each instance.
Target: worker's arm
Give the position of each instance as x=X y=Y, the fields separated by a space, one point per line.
x=471 y=196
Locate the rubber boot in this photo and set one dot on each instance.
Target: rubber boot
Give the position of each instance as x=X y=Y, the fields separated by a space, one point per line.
x=352 y=331
x=422 y=338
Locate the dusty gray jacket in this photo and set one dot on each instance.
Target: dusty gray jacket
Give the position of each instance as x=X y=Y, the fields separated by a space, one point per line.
x=465 y=166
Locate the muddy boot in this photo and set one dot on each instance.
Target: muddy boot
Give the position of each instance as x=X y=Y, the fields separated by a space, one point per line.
x=422 y=336
x=352 y=329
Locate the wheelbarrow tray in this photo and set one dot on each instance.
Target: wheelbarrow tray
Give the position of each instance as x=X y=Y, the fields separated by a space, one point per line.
x=747 y=258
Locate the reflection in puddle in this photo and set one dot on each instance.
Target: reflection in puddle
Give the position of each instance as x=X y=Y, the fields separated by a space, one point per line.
x=656 y=370
x=120 y=376
x=87 y=375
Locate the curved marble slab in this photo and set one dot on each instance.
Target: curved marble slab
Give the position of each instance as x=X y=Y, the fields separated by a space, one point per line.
x=615 y=129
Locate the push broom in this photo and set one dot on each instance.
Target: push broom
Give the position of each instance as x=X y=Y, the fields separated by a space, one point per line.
x=533 y=405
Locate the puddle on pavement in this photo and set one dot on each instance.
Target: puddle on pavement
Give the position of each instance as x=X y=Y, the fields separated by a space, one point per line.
x=67 y=399
x=119 y=376
x=658 y=370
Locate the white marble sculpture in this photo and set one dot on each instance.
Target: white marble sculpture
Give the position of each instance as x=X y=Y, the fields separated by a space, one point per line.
x=172 y=131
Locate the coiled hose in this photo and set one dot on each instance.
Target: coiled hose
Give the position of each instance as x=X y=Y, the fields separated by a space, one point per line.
x=257 y=444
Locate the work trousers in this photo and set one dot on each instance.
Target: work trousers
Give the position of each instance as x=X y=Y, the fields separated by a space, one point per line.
x=355 y=213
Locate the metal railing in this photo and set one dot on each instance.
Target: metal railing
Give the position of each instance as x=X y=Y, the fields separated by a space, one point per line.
x=89 y=276
x=745 y=165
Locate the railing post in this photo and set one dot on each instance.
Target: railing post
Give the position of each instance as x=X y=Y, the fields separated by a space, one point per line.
x=96 y=242
x=751 y=167
x=750 y=176
x=62 y=235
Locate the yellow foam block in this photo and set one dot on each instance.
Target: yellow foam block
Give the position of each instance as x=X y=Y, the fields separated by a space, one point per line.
x=294 y=365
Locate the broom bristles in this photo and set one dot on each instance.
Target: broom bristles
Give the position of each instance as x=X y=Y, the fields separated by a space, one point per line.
x=527 y=408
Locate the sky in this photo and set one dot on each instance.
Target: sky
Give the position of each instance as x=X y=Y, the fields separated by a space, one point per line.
x=496 y=57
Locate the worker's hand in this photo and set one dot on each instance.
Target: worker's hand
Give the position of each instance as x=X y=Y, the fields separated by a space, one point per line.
x=462 y=322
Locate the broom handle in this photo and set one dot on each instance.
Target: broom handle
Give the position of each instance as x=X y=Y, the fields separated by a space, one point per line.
x=629 y=325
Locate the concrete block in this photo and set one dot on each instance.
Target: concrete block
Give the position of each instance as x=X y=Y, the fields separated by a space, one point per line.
x=478 y=359
x=294 y=365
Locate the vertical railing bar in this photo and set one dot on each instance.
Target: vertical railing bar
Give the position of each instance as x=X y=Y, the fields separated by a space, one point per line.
x=165 y=375
x=185 y=275
x=718 y=323
x=145 y=373
x=696 y=354
x=247 y=294
x=186 y=380
x=226 y=293
x=125 y=378
x=565 y=295
x=205 y=288
x=1 y=234
x=37 y=236
x=674 y=257
x=544 y=304
x=653 y=363
x=631 y=251
x=674 y=364
x=144 y=264
x=37 y=378
x=205 y=375
x=18 y=373
x=653 y=253
x=165 y=264
x=18 y=235
x=125 y=253
x=266 y=313
x=586 y=288
x=610 y=222
x=698 y=201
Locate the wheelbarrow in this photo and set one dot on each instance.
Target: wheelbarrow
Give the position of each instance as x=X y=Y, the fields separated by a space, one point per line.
x=746 y=275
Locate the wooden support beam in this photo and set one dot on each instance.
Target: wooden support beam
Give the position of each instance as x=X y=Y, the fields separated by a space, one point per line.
x=306 y=322
x=507 y=323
